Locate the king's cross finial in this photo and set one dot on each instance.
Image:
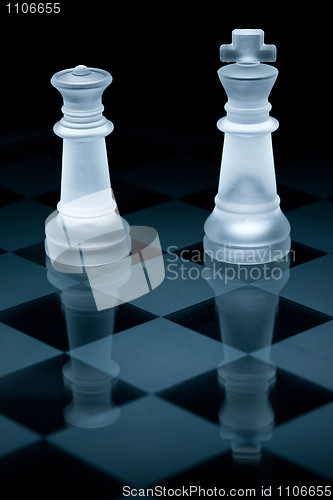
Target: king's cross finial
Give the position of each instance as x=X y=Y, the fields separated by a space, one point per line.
x=247 y=47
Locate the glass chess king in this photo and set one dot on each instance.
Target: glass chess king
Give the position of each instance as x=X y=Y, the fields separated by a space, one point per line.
x=247 y=225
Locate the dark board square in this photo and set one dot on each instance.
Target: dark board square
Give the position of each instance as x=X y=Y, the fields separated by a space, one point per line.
x=203 y=199
x=51 y=321
x=50 y=198
x=249 y=318
x=293 y=318
x=41 y=318
x=201 y=317
x=193 y=253
x=300 y=254
x=35 y=253
x=43 y=395
x=128 y=316
x=202 y=395
x=292 y=396
x=292 y=198
x=131 y=197
x=248 y=386
x=44 y=471
x=36 y=396
x=7 y=197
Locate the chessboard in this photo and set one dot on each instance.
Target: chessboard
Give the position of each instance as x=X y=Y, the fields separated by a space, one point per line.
x=160 y=417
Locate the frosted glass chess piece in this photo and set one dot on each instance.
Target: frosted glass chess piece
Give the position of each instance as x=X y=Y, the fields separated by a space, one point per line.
x=87 y=228
x=247 y=225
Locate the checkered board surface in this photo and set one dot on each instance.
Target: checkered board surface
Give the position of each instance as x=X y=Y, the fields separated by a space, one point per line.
x=166 y=403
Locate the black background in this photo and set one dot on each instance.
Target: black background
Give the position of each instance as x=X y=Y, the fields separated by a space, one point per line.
x=164 y=58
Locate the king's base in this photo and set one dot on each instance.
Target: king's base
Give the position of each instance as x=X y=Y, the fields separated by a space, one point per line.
x=247 y=238
x=246 y=255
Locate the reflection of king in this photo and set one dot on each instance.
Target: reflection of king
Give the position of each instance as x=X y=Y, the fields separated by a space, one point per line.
x=247 y=319
x=87 y=227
